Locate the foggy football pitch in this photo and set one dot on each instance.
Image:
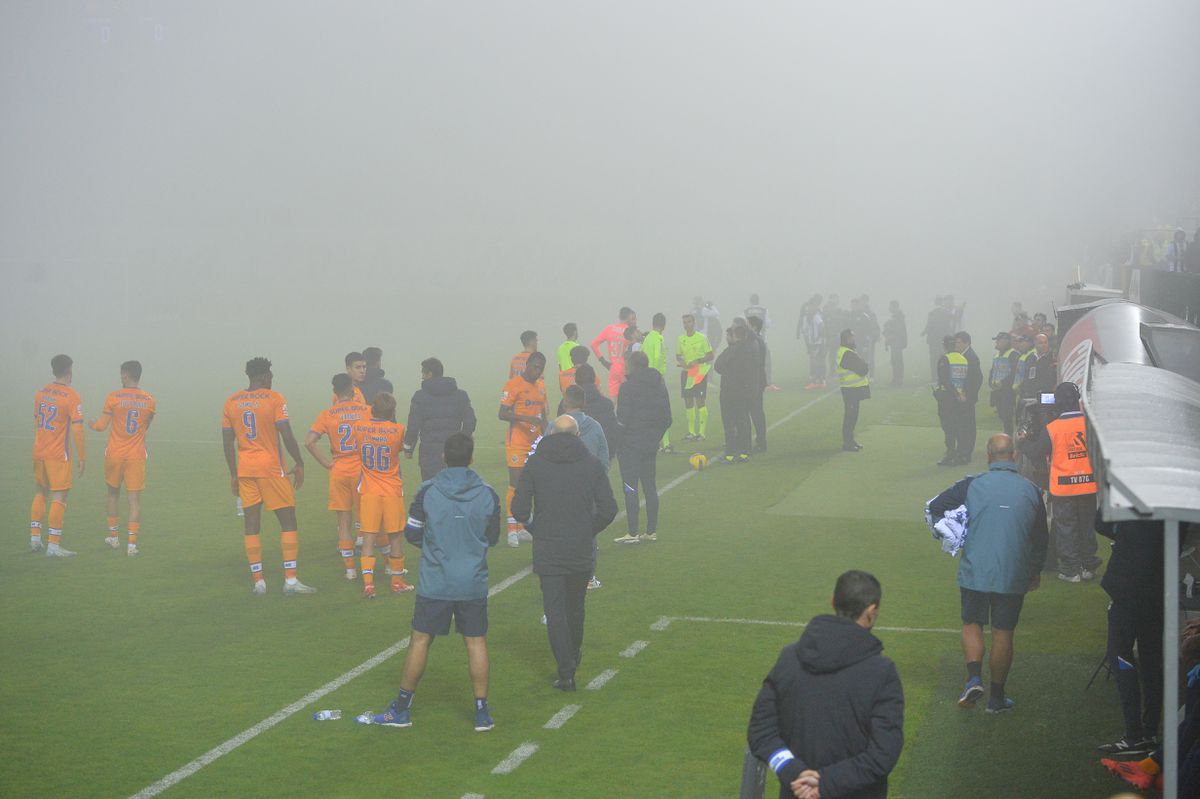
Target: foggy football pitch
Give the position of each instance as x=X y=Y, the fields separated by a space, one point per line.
x=119 y=671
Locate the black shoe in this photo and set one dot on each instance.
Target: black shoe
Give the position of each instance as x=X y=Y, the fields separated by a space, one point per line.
x=857 y=446
x=1126 y=748
x=760 y=447
x=850 y=448
x=564 y=685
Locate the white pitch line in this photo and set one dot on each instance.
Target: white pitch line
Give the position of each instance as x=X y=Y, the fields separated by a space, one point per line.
x=561 y=717
x=634 y=648
x=473 y=796
x=601 y=679
x=225 y=748
x=665 y=621
x=518 y=756
x=269 y=722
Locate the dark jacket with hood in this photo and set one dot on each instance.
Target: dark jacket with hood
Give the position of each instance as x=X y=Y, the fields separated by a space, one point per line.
x=375 y=383
x=740 y=370
x=600 y=408
x=438 y=410
x=564 y=489
x=835 y=702
x=454 y=518
x=643 y=411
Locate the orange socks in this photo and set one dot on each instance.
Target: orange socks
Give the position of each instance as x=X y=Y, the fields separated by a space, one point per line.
x=254 y=555
x=368 y=570
x=37 y=512
x=346 y=546
x=57 y=511
x=289 y=541
x=134 y=529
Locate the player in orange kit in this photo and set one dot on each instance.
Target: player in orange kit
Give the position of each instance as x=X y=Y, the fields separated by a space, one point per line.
x=529 y=345
x=253 y=423
x=57 y=410
x=523 y=406
x=338 y=422
x=129 y=412
x=381 y=491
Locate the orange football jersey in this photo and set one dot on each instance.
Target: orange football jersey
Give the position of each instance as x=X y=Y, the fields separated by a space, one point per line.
x=128 y=411
x=254 y=416
x=338 y=422
x=380 y=445
x=525 y=399
x=55 y=408
x=358 y=397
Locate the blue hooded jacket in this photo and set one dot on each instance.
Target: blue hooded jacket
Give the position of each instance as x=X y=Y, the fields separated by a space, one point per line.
x=454 y=518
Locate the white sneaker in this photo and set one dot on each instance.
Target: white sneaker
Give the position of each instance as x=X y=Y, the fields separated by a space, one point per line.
x=55 y=551
x=351 y=574
x=296 y=587
x=628 y=539
x=113 y=541
x=651 y=537
x=260 y=588
x=593 y=584
x=391 y=573
x=35 y=545
x=514 y=539
x=131 y=550
x=543 y=618
x=525 y=535
x=1087 y=576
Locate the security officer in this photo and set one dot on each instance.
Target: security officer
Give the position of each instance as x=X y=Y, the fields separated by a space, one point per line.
x=1072 y=486
x=1000 y=380
x=852 y=377
x=951 y=394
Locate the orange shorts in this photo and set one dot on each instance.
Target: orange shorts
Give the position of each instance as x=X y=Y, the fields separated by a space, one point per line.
x=516 y=453
x=273 y=492
x=343 y=491
x=378 y=514
x=131 y=472
x=53 y=475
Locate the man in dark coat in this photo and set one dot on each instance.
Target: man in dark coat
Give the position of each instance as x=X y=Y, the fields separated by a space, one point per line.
x=829 y=718
x=598 y=406
x=375 y=383
x=643 y=415
x=564 y=499
x=438 y=410
x=968 y=430
x=739 y=367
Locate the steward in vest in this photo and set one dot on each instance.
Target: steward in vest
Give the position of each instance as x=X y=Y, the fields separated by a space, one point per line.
x=950 y=394
x=852 y=377
x=1000 y=379
x=1072 y=486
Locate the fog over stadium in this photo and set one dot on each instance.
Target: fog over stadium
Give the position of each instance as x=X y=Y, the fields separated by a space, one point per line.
x=194 y=184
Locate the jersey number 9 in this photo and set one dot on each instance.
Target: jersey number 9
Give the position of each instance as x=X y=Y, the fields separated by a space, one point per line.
x=250 y=422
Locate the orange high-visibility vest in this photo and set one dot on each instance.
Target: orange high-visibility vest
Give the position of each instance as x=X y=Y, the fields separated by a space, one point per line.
x=1070 y=468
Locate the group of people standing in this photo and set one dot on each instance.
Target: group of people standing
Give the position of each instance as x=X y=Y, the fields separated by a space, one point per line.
x=821 y=327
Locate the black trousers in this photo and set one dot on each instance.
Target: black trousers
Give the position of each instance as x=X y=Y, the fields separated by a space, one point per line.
x=850 y=402
x=735 y=417
x=1140 y=678
x=639 y=467
x=1073 y=528
x=946 y=420
x=1004 y=400
x=964 y=430
x=562 y=602
x=897 y=366
x=758 y=418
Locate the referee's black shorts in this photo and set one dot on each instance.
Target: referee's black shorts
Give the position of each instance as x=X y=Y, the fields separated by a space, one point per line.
x=698 y=391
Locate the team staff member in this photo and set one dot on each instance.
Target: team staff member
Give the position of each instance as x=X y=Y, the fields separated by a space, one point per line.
x=356 y=368
x=1072 y=486
x=643 y=415
x=57 y=412
x=694 y=355
x=740 y=370
x=374 y=382
x=337 y=422
x=1000 y=380
x=852 y=377
x=1002 y=560
x=130 y=412
x=254 y=421
x=523 y=406
x=437 y=410
x=381 y=491
x=454 y=519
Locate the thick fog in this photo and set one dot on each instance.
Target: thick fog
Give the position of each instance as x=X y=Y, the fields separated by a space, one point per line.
x=196 y=183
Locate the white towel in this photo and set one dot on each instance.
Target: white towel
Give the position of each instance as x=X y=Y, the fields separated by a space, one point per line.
x=951 y=530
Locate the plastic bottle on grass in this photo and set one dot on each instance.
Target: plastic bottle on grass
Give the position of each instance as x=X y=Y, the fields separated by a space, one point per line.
x=327 y=715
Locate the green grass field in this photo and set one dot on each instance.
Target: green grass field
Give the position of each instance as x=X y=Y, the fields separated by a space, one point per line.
x=117 y=671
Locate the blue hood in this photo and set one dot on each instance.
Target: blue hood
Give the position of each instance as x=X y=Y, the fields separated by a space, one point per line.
x=458 y=483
